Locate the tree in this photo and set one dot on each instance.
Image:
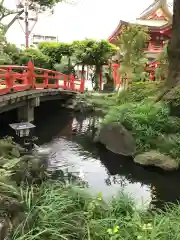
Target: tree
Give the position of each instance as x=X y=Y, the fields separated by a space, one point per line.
x=36 y=56
x=173 y=53
x=65 y=67
x=94 y=53
x=174 y=49
x=52 y=50
x=81 y=54
x=4 y=57
x=56 y=51
x=131 y=43
x=13 y=52
x=162 y=59
x=36 y=5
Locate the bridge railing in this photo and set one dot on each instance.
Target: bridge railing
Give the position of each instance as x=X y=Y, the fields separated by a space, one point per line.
x=21 y=78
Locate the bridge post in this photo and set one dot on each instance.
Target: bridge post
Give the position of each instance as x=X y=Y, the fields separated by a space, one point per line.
x=26 y=113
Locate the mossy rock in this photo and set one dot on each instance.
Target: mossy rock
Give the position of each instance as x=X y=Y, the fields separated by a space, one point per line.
x=116 y=138
x=10 y=205
x=83 y=107
x=15 y=152
x=157 y=159
x=4 y=228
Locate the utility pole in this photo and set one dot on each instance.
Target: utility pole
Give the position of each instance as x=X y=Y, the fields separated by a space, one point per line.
x=27 y=19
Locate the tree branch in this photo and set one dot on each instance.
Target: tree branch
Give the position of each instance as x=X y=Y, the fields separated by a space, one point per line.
x=13 y=21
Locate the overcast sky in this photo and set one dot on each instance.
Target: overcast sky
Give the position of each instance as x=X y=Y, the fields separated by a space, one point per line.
x=85 y=19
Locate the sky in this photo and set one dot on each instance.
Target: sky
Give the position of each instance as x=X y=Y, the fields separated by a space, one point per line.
x=80 y=20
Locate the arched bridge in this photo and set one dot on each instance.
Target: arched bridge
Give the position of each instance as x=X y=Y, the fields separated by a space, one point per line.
x=24 y=87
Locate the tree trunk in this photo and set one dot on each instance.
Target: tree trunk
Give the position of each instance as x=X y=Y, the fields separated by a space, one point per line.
x=97 y=77
x=82 y=71
x=69 y=65
x=174 y=49
x=173 y=52
x=109 y=85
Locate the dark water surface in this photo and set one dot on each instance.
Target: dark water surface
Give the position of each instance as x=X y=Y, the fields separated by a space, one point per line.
x=70 y=140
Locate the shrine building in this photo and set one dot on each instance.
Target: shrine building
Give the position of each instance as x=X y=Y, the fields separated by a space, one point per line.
x=158 y=19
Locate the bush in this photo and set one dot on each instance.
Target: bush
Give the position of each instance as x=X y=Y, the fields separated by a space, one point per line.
x=148 y=122
x=139 y=91
x=36 y=56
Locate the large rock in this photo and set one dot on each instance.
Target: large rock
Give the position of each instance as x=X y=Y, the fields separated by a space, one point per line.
x=3 y=228
x=116 y=139
x=15 y=152
x=154 y=158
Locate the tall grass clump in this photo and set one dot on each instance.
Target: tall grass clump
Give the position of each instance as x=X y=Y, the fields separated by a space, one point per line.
x=57 y=211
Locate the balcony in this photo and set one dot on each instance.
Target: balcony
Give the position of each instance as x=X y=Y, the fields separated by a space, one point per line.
x=154 y=48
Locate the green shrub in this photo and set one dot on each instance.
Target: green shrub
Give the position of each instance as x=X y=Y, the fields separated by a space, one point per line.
x=139 y=91
x=147 y=121
x=36 y=56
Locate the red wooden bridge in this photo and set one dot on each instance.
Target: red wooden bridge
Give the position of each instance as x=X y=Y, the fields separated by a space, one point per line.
x=21 y=78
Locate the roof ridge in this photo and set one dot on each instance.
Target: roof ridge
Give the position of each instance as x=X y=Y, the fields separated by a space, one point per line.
x=150 y=6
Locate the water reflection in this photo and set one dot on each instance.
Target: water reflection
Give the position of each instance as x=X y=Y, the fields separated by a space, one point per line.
x=70 y=138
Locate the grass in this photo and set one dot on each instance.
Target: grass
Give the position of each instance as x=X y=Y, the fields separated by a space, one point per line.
x=55 y=211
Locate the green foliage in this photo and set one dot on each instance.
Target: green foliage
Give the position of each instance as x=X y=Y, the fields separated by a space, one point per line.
x=36 y=56
x=4 y=57
x=131 y=43
x=94 y=53
x=13 y=52
x=148 y=122
x=56 y=211
x=65 y=67
x=162 y=58
x=44 y=4
x=139 y=91
x=173 y=97
x=52 y=50
x=4 y=12
x=85 y=52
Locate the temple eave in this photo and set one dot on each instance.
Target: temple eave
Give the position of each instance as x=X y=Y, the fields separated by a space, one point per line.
x=153 y=26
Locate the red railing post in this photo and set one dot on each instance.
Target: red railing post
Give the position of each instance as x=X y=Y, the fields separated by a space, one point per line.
x=46 y=79
x=57 y=80
x=9 y=79
x=31 y=75
x=21 y=78
x=72 y=86
x=82 y=85
x=65 y=82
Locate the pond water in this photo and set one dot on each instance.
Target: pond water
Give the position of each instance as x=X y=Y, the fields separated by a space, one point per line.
x=70 y=140
x=69 y=137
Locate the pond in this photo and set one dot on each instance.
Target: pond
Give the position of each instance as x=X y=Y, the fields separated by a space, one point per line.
x=70 y=138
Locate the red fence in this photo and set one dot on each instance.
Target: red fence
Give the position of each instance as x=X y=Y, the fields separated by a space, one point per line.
x=21 y=78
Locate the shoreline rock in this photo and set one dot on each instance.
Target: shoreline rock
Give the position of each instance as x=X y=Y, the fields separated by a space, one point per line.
x=157 y=159
x=116 y=138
